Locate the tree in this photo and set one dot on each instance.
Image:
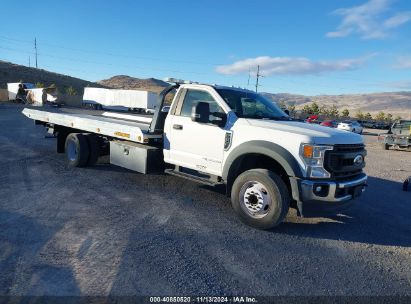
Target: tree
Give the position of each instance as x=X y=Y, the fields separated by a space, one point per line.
x=291 y=109
x=359 y=115
x=282 y=105
x=71 y=91
x=39 y=85
x=315 y=109
x=333 y=111
x=345 y=113
x=324 y=110
x=368 y=116
x=380 y=116
x=398 y=117
x=389 y=117
x=307 y=109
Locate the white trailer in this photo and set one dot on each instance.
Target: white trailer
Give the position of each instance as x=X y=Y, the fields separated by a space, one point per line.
x=129 y=99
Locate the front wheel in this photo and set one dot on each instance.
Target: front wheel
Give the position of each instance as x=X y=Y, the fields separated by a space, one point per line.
x=260 y=198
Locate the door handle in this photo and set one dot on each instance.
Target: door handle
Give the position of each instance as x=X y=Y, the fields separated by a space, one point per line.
x=178 y=127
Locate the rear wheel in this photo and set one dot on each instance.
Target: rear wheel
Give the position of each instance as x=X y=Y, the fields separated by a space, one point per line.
x=94 y=149
x=77 y=150
x=385 y=146
x=260 y=198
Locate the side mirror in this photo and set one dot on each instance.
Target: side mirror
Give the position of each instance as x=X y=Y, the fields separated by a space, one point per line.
x=221 y=119
x=201 y=112
x=165 y=109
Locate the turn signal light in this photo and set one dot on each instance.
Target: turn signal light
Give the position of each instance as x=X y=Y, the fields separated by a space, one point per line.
x=308 y=151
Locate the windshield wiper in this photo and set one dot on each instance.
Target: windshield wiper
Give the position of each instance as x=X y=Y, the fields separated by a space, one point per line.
x=279 y=118
x=268 y=118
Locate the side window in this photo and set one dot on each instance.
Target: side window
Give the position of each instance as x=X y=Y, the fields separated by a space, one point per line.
x=193 y=97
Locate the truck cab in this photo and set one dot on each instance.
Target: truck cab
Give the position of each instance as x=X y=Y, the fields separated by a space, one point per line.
x=266 y=160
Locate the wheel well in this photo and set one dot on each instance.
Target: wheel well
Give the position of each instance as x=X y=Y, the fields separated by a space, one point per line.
x=256 y=161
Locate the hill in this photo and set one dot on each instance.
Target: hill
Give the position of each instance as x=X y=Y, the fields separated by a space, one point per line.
x=132 y=83
x=396 y=103
x=10 y=72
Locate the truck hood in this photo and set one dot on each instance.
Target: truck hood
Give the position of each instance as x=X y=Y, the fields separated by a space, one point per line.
x=317 y=134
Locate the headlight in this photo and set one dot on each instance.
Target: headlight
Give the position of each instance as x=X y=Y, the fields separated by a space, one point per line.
x=313 y=157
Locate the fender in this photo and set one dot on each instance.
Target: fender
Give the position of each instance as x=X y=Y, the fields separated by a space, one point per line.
x=272 y=150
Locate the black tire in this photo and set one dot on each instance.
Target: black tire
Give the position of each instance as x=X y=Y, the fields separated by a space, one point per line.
x=385 y=146
x=94 y=149
x=77 y=150
x=61 y=141
x=275 y=188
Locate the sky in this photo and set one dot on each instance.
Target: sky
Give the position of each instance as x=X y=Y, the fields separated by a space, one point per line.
x=308 y=47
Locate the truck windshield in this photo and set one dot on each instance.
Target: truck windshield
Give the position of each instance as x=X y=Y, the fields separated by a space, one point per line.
x=251 y=105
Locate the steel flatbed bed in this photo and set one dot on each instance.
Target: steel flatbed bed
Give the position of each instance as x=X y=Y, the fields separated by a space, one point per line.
x=131 y=127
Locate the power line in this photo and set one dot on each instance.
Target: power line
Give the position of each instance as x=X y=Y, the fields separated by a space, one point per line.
x=105 y=63
x=35 y=49
x=114 y=55
x=257 y=78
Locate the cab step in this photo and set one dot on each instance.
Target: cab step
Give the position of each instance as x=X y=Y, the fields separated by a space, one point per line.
x=194 y=176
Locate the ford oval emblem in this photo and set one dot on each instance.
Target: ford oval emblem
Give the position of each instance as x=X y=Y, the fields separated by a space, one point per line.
x=358 y=160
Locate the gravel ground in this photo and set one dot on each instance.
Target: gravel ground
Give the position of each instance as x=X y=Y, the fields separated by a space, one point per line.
x=107 y=231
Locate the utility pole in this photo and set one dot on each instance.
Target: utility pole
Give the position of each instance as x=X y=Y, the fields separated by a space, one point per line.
x=258 y=76
x=29 y=62
x=35 y=49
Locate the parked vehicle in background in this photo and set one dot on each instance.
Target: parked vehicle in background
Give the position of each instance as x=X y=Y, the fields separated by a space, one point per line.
x=369 y=124
x=313 y=119
x=382 y=125
x=399 y=136
x=352 y=126
x=329 y=123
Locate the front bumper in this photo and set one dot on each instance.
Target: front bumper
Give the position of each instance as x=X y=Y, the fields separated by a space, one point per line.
x=316 y=197
x=332 y=191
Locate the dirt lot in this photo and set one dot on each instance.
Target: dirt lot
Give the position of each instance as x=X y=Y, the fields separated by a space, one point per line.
x=108 y=231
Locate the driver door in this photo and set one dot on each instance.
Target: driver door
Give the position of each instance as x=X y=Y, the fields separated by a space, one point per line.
x=194 y=145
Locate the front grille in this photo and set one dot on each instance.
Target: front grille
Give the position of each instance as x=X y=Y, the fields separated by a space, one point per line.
x=340 y=161
x=349 y=148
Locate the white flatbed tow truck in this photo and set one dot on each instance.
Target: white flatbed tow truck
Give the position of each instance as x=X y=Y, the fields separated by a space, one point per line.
x=219 y=135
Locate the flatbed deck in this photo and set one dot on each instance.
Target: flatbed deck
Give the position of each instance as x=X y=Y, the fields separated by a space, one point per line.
x=131 y=127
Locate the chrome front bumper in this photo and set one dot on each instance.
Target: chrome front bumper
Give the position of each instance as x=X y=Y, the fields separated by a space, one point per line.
x=330 y=191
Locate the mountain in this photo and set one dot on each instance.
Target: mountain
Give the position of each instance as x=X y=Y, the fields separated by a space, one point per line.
x=10 y=72
x=132 y=83
x=396 y=103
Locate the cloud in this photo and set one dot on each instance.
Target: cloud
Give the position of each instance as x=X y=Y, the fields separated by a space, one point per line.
x=289 y=65
x=371 y=20
x=403 y=62
x=398 y=19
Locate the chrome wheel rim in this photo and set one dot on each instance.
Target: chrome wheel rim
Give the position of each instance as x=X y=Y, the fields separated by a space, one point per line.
x=255 y=199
